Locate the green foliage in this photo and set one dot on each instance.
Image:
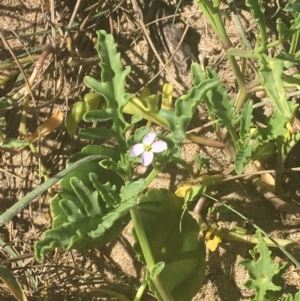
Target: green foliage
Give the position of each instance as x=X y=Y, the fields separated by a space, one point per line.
x=265 y=275
x=185 y=107
x=293 y=8
x=258 y=13
x=87 y=213
x=220 y=106
x=289 y=297
x=91 y=102
x=96 y=199
x=12 y=143
x=112 y=88
x=271 y=71
x=245 y=145
x=12 y=283
x=174 y=244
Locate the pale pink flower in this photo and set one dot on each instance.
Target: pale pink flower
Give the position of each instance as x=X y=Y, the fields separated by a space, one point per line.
x=147 y=148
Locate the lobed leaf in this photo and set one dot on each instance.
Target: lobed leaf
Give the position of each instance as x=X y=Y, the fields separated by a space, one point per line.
x=222 y=105
x=258 y=13
x=112 y=85
x=243 y=155
x=271 y=71
x=262 y=270
x=185 y=107
x=82 y=219
x=246 y=120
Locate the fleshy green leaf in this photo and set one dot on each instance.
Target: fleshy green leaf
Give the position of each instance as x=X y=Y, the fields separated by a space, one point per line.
x=131 y=190
x=222 y=106
x=98 y=133
x=138 y=136
x=262 y=270
x=276 y=125
x=281 y=28
x=12 y=143
x=12 y=283
x=244 y=147
x=258 y=13
x=246 y=119
x=111 y=87
x=97 y=116
x=91 y=102
x=107 y=191
x=92 y=167
x=174 y=244
x=82 y=219
x=293 y=7
x=290 y=57
x=271 y=71
x=243 y=155
x=157 y=269
x=185 y=107
x=198 y=75
x=289 y=297
x=82 y=232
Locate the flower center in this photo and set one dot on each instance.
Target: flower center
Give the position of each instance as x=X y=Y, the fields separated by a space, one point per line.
x=147 y=148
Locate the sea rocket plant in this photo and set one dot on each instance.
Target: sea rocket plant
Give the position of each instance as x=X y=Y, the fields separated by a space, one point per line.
x=147 y=148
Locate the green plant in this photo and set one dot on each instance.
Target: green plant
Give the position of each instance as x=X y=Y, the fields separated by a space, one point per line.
x=98 y=199
x=89 y=213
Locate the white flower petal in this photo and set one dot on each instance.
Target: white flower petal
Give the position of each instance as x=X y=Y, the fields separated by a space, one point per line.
x=149 y=138
x=159 y=146
x=147 y=158
x=136 y=150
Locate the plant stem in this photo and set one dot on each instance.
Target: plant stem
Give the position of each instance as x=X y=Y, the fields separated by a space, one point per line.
x=283 y=250
x=231 y=235
x=238 y=24
x=187 y=166
x=24 y=60
x=294 y=42
x=214 y=17
x=150 y=262
x=248 y=54
x=140 y=291
x=154 y=172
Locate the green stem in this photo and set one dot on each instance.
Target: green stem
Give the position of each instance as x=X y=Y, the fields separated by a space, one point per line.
x=208 y=10
x=187 y=166
x=150 y=262
x=247 y=54
x=24 y=60
x=294 y=42
x=238 y=25
x=154 y=172
x=141 y=290
x=230 y=235
x=283 y=250
x=213 y=15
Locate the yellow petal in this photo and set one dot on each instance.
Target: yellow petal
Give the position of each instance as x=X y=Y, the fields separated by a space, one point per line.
x=213 y=244
x=182 y=191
